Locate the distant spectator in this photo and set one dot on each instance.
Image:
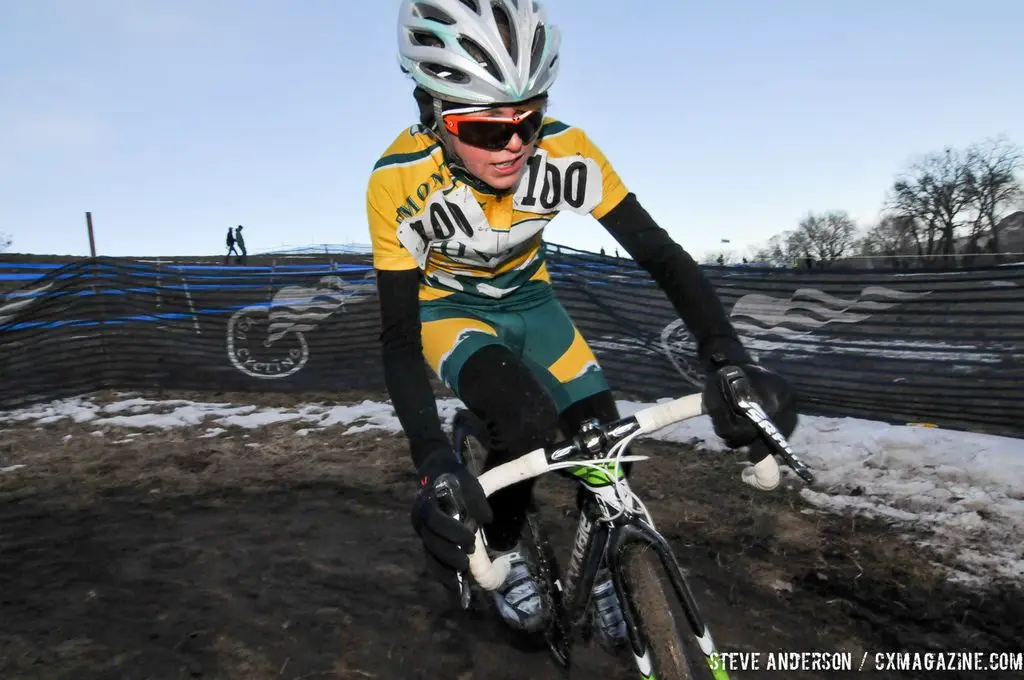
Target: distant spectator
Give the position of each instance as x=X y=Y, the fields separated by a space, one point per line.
x=241 y=242
x=231 y=245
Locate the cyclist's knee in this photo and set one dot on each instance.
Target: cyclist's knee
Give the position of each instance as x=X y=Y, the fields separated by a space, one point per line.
x=502 y=390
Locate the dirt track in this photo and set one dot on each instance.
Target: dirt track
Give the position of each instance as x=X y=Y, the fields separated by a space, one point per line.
x=262 y=555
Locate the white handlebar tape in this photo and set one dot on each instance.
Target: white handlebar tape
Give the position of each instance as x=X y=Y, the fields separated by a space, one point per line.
x=489 y=574
x=531 y=465
x=764 y=475
x=654 y=418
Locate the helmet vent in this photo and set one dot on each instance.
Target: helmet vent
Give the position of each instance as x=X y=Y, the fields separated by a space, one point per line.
x=537 y=49
x=505 y=28
x=471 y=4
x=425 y=39
x=433 y=13
x=445 y=73
x=480 y=56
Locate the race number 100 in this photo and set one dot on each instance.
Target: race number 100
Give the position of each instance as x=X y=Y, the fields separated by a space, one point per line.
x=572 y=183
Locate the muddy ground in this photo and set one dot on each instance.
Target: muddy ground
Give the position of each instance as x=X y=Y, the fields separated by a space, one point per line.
x=262 y=555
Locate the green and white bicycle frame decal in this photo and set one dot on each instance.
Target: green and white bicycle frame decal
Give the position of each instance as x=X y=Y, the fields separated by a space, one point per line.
x=598 y=474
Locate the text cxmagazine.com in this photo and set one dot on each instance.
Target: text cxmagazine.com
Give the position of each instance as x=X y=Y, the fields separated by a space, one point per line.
x=780 y=660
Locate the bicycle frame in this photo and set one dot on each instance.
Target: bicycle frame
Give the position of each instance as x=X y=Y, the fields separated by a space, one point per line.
x=599 y=541
x=612 y=517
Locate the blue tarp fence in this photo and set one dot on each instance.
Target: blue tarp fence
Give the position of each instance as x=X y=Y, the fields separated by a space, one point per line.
x=939 y=347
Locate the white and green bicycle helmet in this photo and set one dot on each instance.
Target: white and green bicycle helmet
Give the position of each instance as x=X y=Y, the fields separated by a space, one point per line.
x=478 y=52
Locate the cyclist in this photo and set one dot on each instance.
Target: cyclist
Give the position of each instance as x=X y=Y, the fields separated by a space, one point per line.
x=457 y=206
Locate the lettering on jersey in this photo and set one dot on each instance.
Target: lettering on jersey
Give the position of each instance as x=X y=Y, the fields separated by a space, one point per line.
x=408 y=208
x=454 y=225
x=572 y=183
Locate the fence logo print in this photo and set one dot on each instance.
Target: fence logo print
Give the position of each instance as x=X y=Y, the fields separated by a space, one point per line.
x=267 y=341
x=757 y=316
x=11 y=306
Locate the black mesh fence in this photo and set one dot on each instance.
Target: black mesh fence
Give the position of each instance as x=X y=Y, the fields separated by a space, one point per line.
x=941 y=347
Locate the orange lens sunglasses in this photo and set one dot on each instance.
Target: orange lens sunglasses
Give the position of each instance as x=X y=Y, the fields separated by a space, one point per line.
x=494 y=132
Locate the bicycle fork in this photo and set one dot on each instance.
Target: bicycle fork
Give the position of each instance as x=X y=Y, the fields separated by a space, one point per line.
x=635 y=532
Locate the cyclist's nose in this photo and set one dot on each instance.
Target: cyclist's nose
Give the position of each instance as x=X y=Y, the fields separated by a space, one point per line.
x=515 y=143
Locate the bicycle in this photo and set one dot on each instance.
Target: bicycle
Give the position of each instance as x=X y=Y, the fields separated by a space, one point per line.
x=615 y=531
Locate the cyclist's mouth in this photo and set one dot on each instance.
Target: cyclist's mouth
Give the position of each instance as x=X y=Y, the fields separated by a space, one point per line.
x=508 y=167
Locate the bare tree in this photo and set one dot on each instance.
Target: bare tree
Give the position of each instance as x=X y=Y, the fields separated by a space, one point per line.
x=933 y=192
x=991 y=188
x=777 y=251
x=825 y=237
x=798 y=244
x=718 y=257
x=891 y=237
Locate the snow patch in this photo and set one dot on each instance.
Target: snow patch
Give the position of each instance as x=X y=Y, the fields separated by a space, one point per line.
x=959 y=493
x=963 y=491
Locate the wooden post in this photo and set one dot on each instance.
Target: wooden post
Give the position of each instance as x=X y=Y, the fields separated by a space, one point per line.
x=92 y=240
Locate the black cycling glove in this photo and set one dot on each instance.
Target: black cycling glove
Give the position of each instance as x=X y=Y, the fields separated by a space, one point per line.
x=771 y=391
x=448 y=541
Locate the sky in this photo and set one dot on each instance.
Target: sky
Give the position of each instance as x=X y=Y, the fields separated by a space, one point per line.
x=172 y=121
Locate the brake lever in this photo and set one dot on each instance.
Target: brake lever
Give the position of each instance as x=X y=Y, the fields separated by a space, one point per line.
x=741 y=395
x=448 y=500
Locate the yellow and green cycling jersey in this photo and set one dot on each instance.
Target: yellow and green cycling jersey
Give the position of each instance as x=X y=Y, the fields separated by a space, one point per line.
x=471 y=243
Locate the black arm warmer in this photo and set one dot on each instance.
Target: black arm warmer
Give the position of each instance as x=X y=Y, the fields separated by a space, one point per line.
x=678 y=275
x=405 y=371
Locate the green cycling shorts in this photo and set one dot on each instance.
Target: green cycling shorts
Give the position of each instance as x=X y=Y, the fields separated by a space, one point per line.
x=533 y=325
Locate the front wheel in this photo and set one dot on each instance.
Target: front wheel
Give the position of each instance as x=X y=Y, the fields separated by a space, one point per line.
x=671 y=653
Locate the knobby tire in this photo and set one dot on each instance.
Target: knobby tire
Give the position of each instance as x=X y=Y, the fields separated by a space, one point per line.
x=674 y=651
